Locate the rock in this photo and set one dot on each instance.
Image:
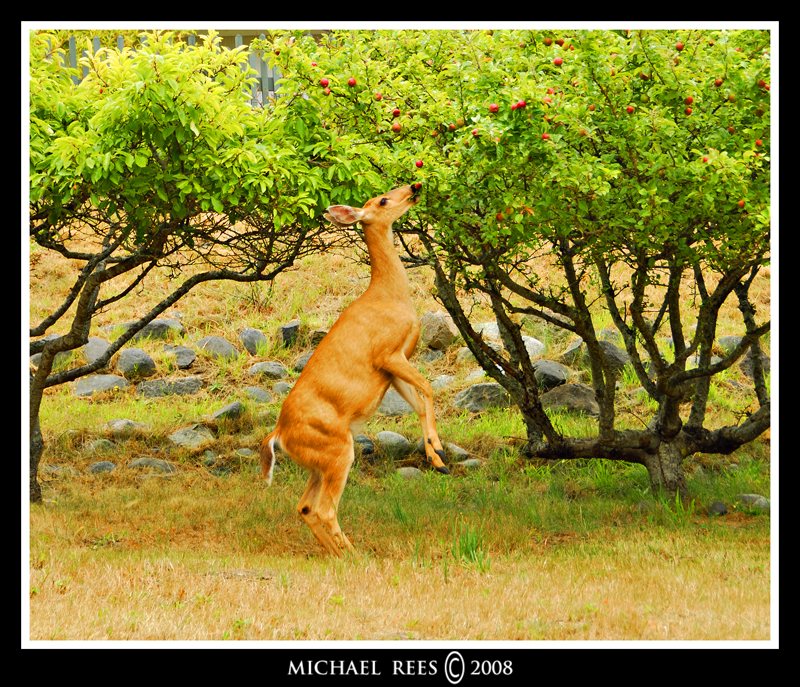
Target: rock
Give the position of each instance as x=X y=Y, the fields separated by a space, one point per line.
x=281 y=388
x=429 y=355
x=612 y=335
x=287 y=333
x=464 y=354
x=315 y=336
x=746 y=364
x=216 y=347
x=302 y=361
x=258 y=395
x=470 y=463
x=94 y=348
x=167 y=387
x=535 y=348
x=475 y=376
x=100 y=446
x=157 y=329
x=442 y=381
x=184 y=356
x=479 y=397
x=755 y=501
x=438 y=329
x=192 y=437
x=102 y=466
x=549 y=374
x=62 y=357
x=123 y=427
x=451 y=451
x=393 y=443
x=154 y=464
x=490 y=330
x=365 y=443
x=394 y=404
x=86 y=386
x=268 y=371
x=134 y=363
x=574 y=353
x=229 y=412
x=728 y=343
x=252 y=340
x=409 y=473
x=718 y=508
x=617 y=357
x=577 y=397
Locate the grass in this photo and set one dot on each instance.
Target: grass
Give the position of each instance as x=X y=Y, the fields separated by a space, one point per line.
x=513 y=550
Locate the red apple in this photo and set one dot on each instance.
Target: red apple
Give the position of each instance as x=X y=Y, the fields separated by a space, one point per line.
x=547 y=99
x=326 y=91
x=313 y=64
x=397 y=126
x=705 y=159
x=630 y=109
x=545 y=136
x=475 y=132
x=741 y=203
x=548 y=41
x=761 y=83
x=452 y=127
x=494 y=107
x=731 y=129
x=591 y=108
x=679 y=46
x=499 y=217
x=758 y=141
x=324 y=82
x=378 y=96
x=558 y=61
x=521 y=104
x=688 y=110
x=688 y=100
x=351 y=81
x=560 y=41
x=551 y=91
x=717 y=82
x=418 y=163
x=395 y=113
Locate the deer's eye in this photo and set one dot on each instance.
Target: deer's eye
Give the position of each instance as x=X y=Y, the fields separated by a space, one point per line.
x=383 y=201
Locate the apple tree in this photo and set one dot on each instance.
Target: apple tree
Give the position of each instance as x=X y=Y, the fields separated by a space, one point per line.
x=632 y=165
x=155 y=159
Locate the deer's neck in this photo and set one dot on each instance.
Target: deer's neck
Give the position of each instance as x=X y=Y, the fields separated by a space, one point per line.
x=388 y=275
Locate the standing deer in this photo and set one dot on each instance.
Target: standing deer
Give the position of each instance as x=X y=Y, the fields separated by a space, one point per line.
x=365 y=351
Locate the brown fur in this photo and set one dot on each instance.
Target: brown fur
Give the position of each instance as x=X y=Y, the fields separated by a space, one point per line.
x=366 y=350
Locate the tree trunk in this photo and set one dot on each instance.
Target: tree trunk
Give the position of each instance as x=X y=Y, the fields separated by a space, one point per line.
x=665 y=468
x=36 y=449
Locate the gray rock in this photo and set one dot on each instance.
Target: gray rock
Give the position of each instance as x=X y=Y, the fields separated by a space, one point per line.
x=302 y=361
x=123 y=427
x=167 y=387
x=315 y=336
x=479 y=397
x=442 y=381
x=217 y=348
x=490 y=330
x=612 y=335
x=184 y=356
x=268 y=371
x=755 y=501
x=438 y=329
x=100 y=446
x=258 y=395
x=394 y=404
x=287 y=333
x=746 y=364
x=429 y=355
x=157 y=329
x=470 y=463
x=86 y=386
x=102 y=466
x=281 y=388
x=409 y=473
x=393 y=443
x=728 y=343
x=617 y=357
x=134 y=363
x=192 y=437
x=94 y=348
x=229 y=412
x=577 y=397
x=366 y=444
x=252 y=340
x=535 y=348
x=574 y=353
x=549 y=374
x=718 y=508
x=161 y=466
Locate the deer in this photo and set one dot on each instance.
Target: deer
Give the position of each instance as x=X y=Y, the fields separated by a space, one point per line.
x=366 y=350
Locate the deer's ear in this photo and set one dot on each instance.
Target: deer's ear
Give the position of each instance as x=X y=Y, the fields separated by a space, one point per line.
x=344 y=215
